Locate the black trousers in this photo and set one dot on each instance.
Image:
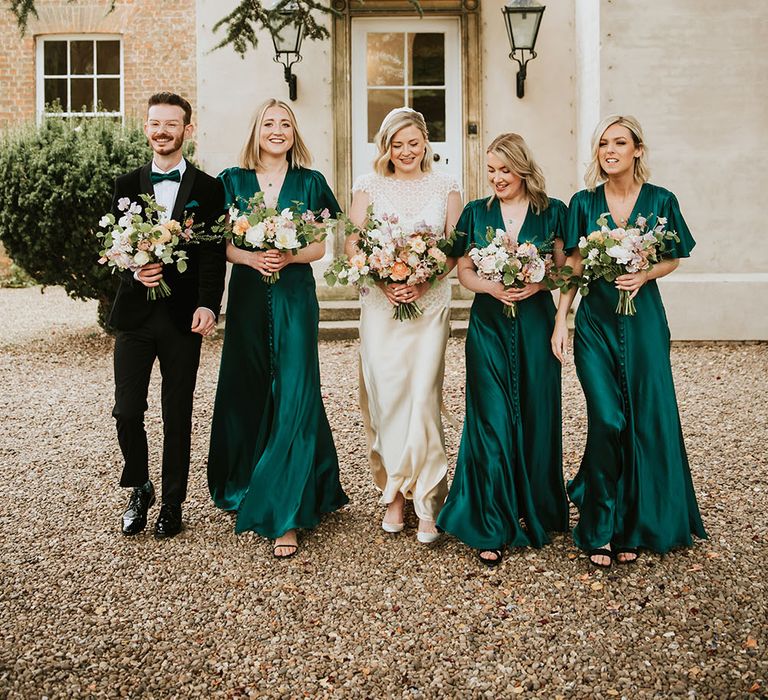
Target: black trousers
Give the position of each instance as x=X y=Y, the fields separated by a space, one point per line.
x=179 y=356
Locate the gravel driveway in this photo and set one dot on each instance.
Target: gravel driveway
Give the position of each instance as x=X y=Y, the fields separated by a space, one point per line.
x=86 y=612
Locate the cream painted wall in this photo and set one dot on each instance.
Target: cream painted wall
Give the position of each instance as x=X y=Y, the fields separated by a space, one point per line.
x=546 y=116
x=695 y=73
x=231 y=88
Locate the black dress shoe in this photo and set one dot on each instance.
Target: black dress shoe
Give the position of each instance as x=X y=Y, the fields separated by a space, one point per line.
x=169 y=521
x=135 y=516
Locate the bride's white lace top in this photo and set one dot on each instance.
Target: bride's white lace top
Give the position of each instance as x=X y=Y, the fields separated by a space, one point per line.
x=413 y=201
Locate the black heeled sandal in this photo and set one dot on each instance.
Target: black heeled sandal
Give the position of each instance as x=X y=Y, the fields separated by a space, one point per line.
x=601 y=552
x=491 y=562
x=626 y=550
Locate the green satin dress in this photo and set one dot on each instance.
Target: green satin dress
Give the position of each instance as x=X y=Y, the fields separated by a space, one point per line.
x=272 y=457
x=633 y=488
x=508 y=486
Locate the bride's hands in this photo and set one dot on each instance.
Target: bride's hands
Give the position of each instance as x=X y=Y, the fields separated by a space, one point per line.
x=405 y=293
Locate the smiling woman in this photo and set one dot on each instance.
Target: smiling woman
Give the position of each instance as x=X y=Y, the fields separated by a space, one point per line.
x=272 y=457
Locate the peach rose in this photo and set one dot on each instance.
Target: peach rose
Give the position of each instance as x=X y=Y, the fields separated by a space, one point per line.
x=241 y=225
x=400 y=271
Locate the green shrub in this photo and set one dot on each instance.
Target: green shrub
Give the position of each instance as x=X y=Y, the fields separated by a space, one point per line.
x=56 y=181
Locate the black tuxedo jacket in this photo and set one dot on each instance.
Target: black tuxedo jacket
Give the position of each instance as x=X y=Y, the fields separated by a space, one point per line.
x=202 y=283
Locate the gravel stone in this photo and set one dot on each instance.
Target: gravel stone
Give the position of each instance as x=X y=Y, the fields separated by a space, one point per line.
x=86 y=612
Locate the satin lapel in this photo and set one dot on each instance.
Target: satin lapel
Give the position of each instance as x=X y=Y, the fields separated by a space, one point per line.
x=145 y=183
x=184 y=191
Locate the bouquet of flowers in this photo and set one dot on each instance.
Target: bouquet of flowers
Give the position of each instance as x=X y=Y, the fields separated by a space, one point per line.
x=511 y=263
x=137 y=238
x=261 y=227
x=388 y=253
x=609 y=253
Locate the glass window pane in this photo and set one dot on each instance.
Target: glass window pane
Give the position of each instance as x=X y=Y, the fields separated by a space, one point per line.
x=108 y=57
x=385 y=56
x=82 y=94
x=55 y=57
x=108 y=97
x=426 y=59
x=380 y=103
x=431 y=103
x=81 y=58
x=56 y=95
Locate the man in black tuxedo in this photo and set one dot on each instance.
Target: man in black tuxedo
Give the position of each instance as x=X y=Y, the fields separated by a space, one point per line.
x=169 y=328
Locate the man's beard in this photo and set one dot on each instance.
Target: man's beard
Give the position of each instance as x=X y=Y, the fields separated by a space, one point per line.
x=170 y=146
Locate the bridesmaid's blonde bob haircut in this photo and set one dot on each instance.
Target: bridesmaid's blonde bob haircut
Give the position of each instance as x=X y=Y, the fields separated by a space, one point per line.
x=250 y=157
x=595 y=173
x=399 y=119
x=513 y=151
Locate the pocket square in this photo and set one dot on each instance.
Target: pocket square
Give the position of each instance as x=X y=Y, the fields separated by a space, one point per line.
x=193 y=203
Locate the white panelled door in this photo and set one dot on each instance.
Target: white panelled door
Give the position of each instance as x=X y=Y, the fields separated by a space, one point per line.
x=407 y=62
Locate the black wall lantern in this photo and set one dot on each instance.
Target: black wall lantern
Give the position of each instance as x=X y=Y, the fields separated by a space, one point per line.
x=287 y=41
x=522 y=18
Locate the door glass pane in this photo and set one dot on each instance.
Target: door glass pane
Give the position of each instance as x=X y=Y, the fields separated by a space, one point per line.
x=108 y=94
x=384 y=58
x=81 y=58
x=82 y=94
x=431 y=103
x=108 y=57
x=380 y=103
x=426 y=59
x=55 y=57
x=56 y=92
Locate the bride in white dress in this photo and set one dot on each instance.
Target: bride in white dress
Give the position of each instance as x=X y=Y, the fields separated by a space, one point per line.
x=402 y=362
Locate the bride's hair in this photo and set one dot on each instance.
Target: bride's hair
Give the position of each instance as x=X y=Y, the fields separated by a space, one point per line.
x=400 y=119
x=513 y=151
x=250 y=157
x=595 y=173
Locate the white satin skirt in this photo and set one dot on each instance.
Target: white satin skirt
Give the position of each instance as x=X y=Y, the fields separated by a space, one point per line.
x=402 y=364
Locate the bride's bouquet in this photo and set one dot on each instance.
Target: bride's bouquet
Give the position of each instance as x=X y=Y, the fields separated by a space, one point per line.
x=141 y=236
x=511 y=263
x=389 y=254
x=259 y=227
x=609 y=253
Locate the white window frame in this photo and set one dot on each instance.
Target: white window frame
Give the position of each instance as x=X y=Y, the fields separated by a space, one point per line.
x=40 y=74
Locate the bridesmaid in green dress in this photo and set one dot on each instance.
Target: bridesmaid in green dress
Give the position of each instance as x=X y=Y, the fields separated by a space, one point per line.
x=509 y=468
x=272 y=457
x=633 y=489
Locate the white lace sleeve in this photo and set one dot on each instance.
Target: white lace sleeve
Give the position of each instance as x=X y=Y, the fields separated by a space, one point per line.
x=452 y=184
x=364 y=184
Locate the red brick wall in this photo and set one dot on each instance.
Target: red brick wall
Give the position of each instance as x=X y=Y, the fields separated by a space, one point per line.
x=159 y=49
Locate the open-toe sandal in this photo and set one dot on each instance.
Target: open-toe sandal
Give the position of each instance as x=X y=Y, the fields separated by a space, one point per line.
x=490 y=562
x=626 y=550
x=600 y=552
x=293 y=547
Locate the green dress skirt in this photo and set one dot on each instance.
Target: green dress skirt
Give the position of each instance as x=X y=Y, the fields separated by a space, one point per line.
x=508 y=486
x=633 y=488
x=272 y=457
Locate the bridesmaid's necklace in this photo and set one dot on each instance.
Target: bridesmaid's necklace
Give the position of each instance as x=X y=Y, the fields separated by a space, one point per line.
x=271 y=179
x=619 y=209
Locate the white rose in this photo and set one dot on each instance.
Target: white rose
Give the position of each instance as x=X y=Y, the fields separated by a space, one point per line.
x=620 y=254
x=141 y=258
x=255 y=235
x=285 y=237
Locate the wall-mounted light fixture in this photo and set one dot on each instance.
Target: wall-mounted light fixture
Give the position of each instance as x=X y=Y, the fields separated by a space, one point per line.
x=522 y=18
x=287 y=41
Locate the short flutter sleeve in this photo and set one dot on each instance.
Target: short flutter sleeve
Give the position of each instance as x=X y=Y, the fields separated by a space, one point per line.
x=319 y=194
x=363 y=183
x=670 y=210
x=239 y=186
x=465 y=228
x=575 y=221
x=558 y=219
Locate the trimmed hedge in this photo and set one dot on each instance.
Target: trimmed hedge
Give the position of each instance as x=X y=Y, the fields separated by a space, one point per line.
x=56 y=181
